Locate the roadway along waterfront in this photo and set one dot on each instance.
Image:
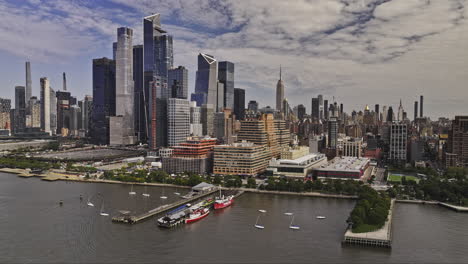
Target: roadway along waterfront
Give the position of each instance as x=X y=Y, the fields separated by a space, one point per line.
x=36 y=229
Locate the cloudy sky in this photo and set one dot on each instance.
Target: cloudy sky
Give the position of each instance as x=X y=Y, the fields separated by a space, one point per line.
x=359 y=51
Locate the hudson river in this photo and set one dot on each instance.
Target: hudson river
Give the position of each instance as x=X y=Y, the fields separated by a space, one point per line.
x=34 y=228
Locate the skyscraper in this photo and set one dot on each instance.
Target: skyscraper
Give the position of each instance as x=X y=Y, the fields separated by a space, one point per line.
x=226 y=76
x=400 y=112
x=398 y=142
x=28 y=88
x=63 y=105
x=458 y=141
x=178 y=82
x=20 y=109
x=415 y=110
x=421 y=113
x=325 y=109
x=390 y=114
x=206 y=81
x=377 y=112
x=139 y=97
x=279 y=94
x=45 y=105
x=124 y=88
x=239 y=103
x=64 y=85
x=158 y=112
x=53 y=111
x=315 y=108
x=320 y=98
x=219 y=96
x=196 y=127
x=332 y=132
x=5 y=109
x=178 y=121
x=301 y=111
x=86 y=112
x=157 y=60
x=103 y=100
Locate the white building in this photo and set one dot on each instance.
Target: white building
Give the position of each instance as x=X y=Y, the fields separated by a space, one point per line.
x=178 y=121
x=45 y=105
x=196 y=127
x=300 y=167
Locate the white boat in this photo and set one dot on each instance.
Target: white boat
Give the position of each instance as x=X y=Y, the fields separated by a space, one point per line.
x=89 y=203
x=163 y=196
x=102 y=210
x=258 y=218
x=131 y=191
x=320 y=217
x=294 y=227
x=146 y=194
x=288 y=213
x=176 y=193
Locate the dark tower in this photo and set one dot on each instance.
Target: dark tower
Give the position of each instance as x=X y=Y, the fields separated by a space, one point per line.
x=415 y=110
x=421 y=106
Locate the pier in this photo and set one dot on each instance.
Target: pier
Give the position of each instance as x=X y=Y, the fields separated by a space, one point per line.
x=125 y=216
x=378 y=238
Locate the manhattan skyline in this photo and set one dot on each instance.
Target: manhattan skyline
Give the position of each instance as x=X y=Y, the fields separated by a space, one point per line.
x=387 y=51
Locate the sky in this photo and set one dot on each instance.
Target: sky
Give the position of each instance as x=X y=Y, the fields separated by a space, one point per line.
x=357 y=51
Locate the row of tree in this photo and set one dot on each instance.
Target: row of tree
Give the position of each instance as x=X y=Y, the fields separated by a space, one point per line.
x=335 y=186
x=26 y=163
x=371 y=210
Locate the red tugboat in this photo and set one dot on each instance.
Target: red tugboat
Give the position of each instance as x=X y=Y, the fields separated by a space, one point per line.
x=223 y=202
x=197 y=215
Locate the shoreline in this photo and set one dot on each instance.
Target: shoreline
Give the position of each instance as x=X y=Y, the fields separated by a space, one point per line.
x=57 y=176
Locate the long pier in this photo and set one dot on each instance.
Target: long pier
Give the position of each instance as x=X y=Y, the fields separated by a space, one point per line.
x=133 y=219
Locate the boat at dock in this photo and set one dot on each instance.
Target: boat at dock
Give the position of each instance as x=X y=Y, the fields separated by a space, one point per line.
x=223 y=201
x=174 y=217
x=197 y=215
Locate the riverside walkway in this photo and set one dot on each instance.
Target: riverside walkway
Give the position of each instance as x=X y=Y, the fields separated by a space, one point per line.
x=133 y=219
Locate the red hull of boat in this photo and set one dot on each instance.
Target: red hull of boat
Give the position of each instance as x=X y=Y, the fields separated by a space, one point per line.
x=188 y=221
x=223 y=205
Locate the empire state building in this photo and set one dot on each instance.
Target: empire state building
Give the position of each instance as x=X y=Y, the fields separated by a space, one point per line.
x=279 y=94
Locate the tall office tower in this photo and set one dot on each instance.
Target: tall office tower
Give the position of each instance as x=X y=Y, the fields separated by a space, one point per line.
x=86 y=112
x=178 y=121
x=390 y=114
x=279 y=94
x=325 y=110
x=415 y=110
x=384 y=114
x=63 y=105
x=315 y=113
x=301 y=111
x=261 y=130
x=28 y=88
x=458 y=141
x=207 y=115
x=139 y=96
x=20 y=109
x=53 y=112
x=114 y=50
x=239 y=103
x=103 y=100
x=125 y=92
x=64 y=85
x=35 y=112
x=226 y=76
x=223 y=126
x=206 y=81
x=400 y=112
x=398 y=142
x=333 y=132
x=158 y=112
x=45 y=105
x=341 y=110
x=252 y=106
x=283 y=136
x=219 y=96
x=331 y=110
x=421 y=106
x=5 y=109
x=157 y=60
x=177 y=82
x=320 y=98
x=196 y=127
x=377 y=112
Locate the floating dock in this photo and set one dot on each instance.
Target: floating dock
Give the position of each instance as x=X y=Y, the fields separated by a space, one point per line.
x=133 y=219
x=379 y=238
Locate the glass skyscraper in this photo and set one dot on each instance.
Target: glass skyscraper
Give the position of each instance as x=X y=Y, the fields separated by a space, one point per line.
x=239 y=103
x=206 y=81
x=226 y=76
x=178 y=82
x=103 y=99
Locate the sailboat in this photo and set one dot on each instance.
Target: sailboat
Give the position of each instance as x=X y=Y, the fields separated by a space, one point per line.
x=258 y=218
x=163 y=196
x=102 y=213
x=291 y=226
x=176 y=193
x=89 y=203
x=131 y=191
x=320 y=217
x=146 y=194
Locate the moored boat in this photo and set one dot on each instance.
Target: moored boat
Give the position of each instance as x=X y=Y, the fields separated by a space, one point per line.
x=197 y=215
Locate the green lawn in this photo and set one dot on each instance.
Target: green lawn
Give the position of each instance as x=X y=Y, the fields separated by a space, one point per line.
x=397 y=178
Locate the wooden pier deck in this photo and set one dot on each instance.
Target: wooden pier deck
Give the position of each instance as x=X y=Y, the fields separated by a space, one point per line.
x=133 y=219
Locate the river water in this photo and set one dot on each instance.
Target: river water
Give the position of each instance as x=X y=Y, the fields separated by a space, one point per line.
x=34 y=228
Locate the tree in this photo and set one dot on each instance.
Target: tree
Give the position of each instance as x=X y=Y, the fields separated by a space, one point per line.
x=251 y=183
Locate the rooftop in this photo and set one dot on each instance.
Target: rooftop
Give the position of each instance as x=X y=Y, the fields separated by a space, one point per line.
x=346 y=164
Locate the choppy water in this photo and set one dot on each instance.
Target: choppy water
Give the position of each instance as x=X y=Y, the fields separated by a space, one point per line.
x=33 y=228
